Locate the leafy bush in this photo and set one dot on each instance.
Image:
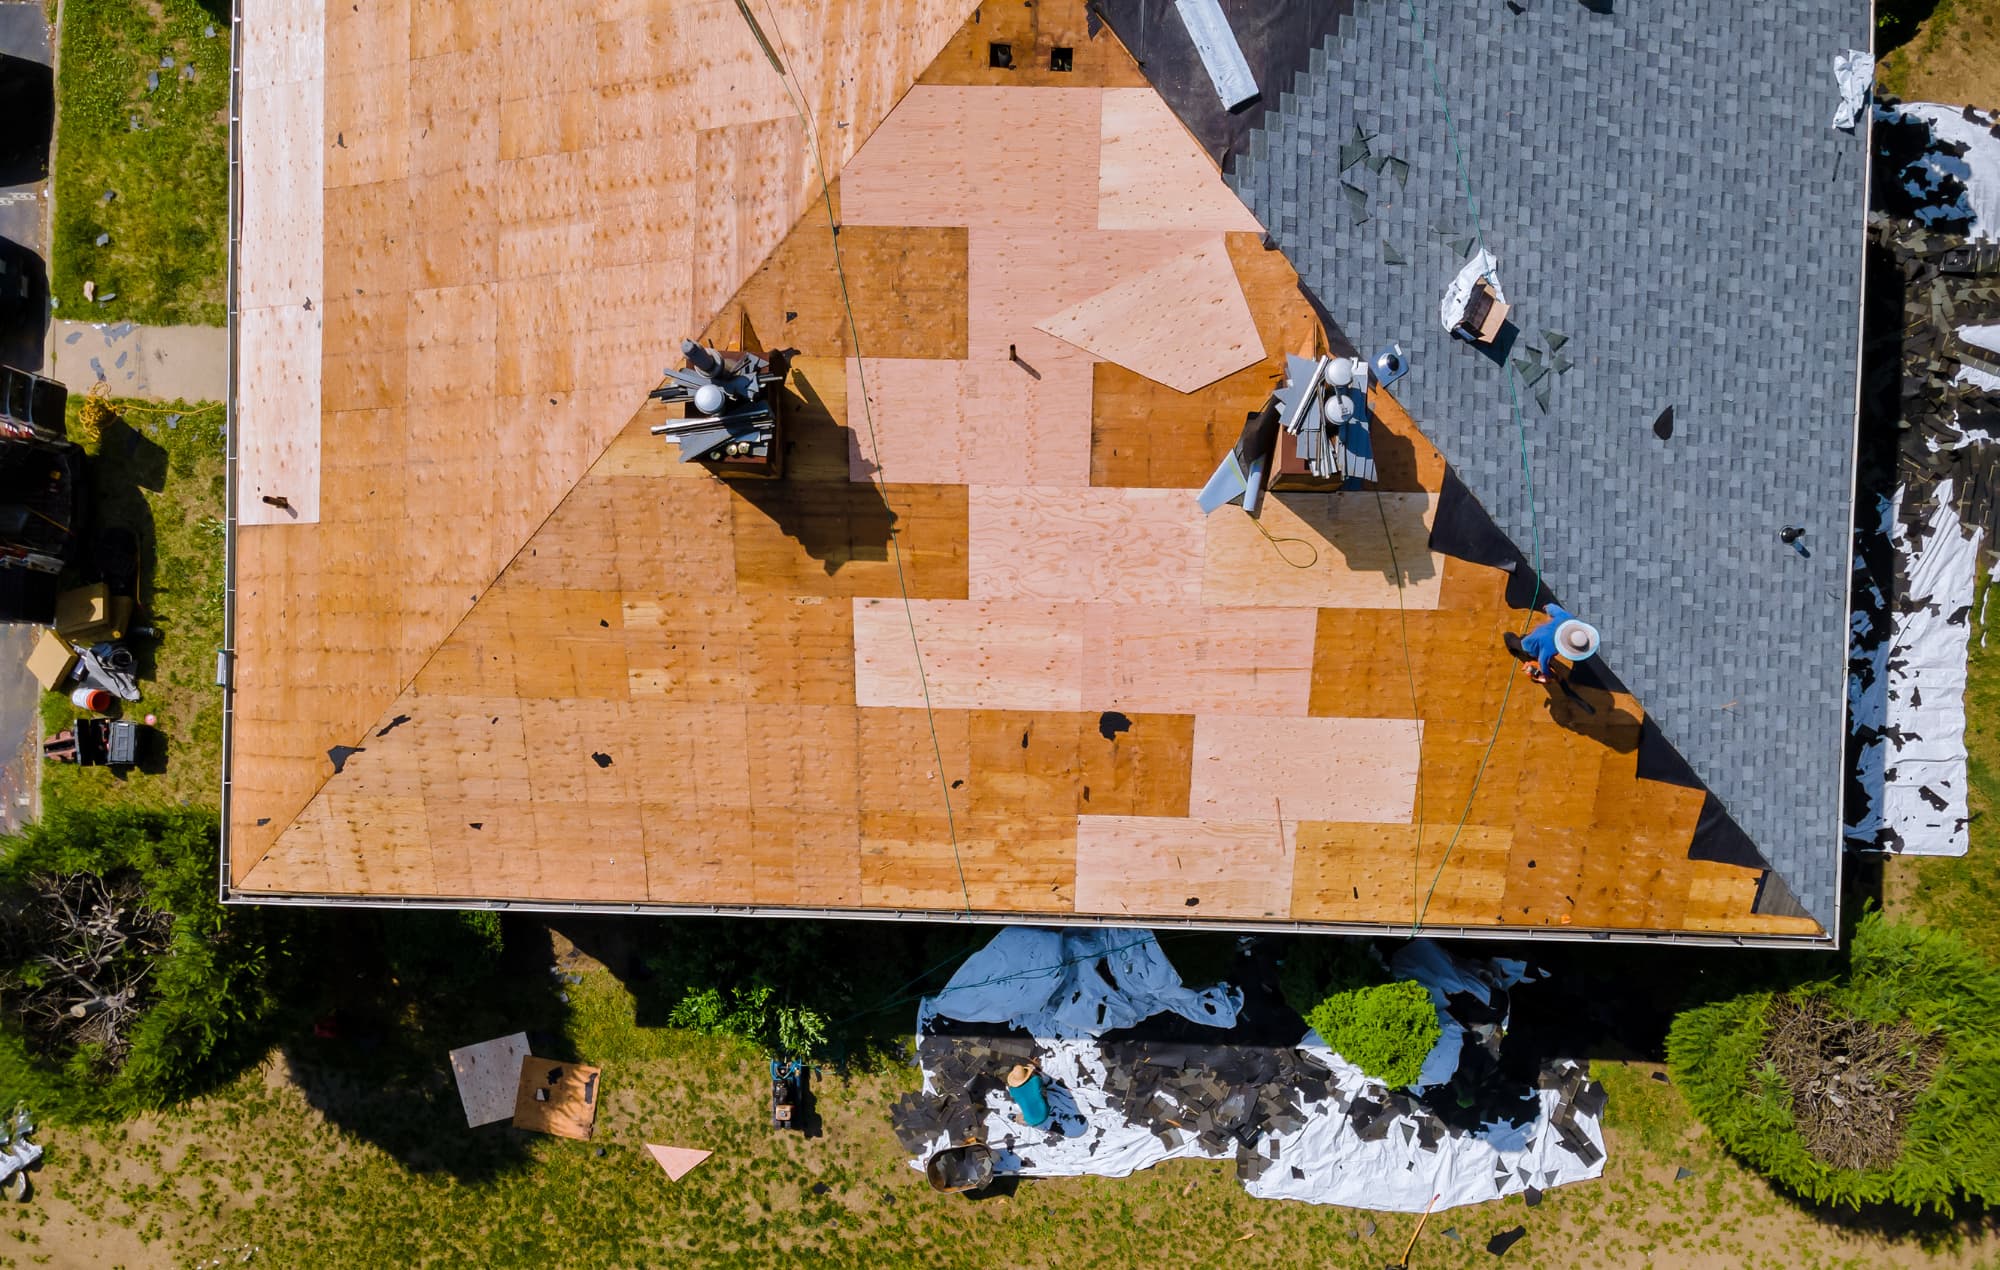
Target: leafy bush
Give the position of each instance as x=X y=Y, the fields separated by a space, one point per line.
x=1385 y=1031
x=1927 y=982
x=202 y=1004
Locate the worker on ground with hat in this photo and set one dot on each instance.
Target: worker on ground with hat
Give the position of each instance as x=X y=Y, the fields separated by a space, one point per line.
x=1563 y=635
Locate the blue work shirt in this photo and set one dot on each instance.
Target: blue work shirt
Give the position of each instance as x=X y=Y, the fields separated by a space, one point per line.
x=1540 y=643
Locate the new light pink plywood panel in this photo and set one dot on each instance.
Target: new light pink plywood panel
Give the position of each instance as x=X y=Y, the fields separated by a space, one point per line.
x=278 y=453
x=1187 y=867
x=1184 y=323
x=1017 y=275
x=1356 y=770
x=1119 y=546
x=1029 y=655
x=1152 y=175
x=1356 y=566
x=930 y=422
x=1175 y=660
x=979 y=156
x=1003 y=655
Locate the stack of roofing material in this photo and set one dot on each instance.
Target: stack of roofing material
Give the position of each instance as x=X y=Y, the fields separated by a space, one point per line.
x=731 y=415
x=1324 y=406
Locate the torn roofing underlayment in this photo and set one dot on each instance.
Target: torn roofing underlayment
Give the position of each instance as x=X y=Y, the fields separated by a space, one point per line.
x=977 y=652
x=1679 y=230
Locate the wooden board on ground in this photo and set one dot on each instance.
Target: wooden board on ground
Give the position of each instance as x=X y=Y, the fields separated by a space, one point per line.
x=489 y=1077
x=557 y=1098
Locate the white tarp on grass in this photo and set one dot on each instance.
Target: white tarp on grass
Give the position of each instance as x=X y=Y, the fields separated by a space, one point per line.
x=1912 y=691
x=1979 y=169
x=1047 y=983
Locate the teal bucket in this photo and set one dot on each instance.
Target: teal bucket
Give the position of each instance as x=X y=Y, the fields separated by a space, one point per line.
x=1024 y=1086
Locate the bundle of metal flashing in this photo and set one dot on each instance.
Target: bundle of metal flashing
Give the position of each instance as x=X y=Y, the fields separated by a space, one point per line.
x=1324 y=405
x=730 y=408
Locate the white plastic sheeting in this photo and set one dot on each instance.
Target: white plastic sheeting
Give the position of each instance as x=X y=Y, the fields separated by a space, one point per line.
x=1451 y=309
x=1979 y=169
x=1854 y=70
x=1048 y=984
x=1988 y=338
x=1444 y=974
x=1912 y=690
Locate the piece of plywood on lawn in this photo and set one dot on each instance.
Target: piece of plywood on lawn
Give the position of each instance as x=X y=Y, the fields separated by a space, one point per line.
x=557 y=1098
x=1127 y=546
x=1002 y=655
x=1311 y=769
x=1184 y=323
x=950 y=155
x=1354 y=564
x=1152 y=173
x=954 y=423
x=489 y=1077
x=1172 y=659
x=1159 y=866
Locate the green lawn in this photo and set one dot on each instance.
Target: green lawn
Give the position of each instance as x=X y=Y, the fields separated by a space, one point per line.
x=166 y=484
x=1940 y=50
x=165 y=262
x=366 y=1160
x=1963 y=894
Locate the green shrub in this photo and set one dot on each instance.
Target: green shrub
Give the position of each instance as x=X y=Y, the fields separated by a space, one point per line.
x=1950 y=1143
x=214 y=977
x=1385 y=1031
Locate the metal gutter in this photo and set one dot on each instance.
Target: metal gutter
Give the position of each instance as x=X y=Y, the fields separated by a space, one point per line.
x=226 y=655
x=959 y=917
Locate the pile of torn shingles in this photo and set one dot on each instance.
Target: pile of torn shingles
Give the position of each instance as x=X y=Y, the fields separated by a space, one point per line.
x=1931 y=434
x=1232 y=1097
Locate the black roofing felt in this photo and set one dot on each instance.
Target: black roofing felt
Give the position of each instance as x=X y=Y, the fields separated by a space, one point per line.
x=1679 y=231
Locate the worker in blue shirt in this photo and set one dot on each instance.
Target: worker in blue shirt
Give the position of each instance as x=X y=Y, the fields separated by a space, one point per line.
x=1563 y=635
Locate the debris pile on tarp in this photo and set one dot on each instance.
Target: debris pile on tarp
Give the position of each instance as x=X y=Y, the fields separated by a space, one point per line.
x=1140 y=1069
x=1918 y=555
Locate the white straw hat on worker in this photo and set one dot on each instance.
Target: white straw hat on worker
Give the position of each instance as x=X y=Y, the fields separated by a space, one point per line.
x=1576 y=640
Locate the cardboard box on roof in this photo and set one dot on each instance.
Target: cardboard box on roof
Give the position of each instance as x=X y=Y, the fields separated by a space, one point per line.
x=51 y=660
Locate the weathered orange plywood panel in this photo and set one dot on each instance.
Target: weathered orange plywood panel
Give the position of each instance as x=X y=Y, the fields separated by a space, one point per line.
x=1152 y=175
x=1184 y=323
x=1142 y=865
x=1378 y=873
x=1304 y=769
x=954 y=423
x=1354 y=564
x=1116 y=546
x=952 y=155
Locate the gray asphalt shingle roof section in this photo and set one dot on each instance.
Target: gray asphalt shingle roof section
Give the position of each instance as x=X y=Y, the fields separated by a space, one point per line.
x=1660 y=185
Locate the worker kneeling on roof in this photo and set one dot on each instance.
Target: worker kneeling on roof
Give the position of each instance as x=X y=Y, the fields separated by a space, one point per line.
x=1563 y=635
